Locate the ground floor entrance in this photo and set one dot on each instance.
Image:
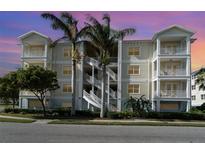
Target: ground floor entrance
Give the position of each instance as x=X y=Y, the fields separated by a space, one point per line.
x=171 y=106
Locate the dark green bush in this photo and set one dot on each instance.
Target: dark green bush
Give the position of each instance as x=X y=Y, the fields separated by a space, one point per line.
x=201 y=108
x=7 y=110
x=121 y=115
x=60 y=112
x=176 y=115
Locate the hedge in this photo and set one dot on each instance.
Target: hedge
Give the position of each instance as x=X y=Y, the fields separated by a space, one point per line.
x=121 y=115
x=158 y=115
x=55 y=112
x=176 y=115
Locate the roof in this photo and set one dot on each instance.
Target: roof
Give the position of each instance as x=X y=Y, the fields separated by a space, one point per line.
x=197 y=71
x=171 y=27
x=32 y=32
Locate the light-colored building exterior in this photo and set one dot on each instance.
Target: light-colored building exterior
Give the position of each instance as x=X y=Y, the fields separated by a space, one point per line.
x=198 y=96
x=159 y=68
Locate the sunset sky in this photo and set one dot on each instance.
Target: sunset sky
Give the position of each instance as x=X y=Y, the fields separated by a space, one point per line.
x=14 y=24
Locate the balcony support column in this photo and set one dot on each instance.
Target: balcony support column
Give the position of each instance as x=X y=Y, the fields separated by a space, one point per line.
x=158 y=46
x=108 y=92
x=158 y=106
x=188 y=106
x=119 y=77
x=188 y=45
x=188 y=63
x=158 y=88
x=93 y=78
x=188 y=89
x=45 y=53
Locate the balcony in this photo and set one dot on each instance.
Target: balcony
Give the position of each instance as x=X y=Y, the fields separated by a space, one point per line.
x=34 y=51
x=172 y=51
x=175 y=72
x=173 y=93
x=29 y=54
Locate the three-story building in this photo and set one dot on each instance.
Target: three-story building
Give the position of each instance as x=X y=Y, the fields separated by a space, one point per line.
x=159 y=68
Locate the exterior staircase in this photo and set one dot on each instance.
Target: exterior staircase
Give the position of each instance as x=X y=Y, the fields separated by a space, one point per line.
x=97 y=83
x=91 y=98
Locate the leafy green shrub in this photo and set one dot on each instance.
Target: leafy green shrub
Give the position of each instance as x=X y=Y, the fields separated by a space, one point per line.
x=139 y=105
x=32 y=111
x=121 y=115
x=176 y=115
x=60 y=112
x=195 y=110
x=201 y=108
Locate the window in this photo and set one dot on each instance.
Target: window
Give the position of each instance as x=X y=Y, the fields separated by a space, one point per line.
x=134 y=51
x=67 y=88
x=193 y=87
x=66 y=104
x=67 y=70
x=202 y=96
x=193 y=97
x=133 y=88
x=66 y=53
x=192 y=76
x=134 y=70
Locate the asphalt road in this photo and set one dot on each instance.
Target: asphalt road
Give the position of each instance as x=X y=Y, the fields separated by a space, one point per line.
x=41 y=133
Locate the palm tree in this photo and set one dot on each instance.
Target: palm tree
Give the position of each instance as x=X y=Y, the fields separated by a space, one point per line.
x=104 y=38
x=68 y=24
x=201 y=80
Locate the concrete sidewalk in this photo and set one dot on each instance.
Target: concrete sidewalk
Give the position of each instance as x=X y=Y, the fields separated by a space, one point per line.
x=13 y=117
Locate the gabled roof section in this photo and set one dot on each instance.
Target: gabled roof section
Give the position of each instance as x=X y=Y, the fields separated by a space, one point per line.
x=33 y=32
x=172 y=27
x=202 y=69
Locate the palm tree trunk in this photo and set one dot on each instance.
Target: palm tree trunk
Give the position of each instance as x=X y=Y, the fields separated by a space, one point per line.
x=102 y=112
x=73 y=86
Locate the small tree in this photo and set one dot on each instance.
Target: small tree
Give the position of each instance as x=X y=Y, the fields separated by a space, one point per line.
x=9 y=89
x=138 y=105
x=39 y=81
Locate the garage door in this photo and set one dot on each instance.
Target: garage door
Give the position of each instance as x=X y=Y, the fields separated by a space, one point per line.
x=169 y=106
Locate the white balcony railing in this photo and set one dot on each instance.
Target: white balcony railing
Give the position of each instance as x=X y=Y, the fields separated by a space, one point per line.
x=173 y=93
x=154 y=53
x=172 y=51
x=29 y=93
x=34 y=53
x=175 y=72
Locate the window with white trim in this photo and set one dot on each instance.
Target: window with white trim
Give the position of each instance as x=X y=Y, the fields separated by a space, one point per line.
x=193 y=97
x=67 y=70
x=202 y=96
x=134 y=51
x=67 y=88
x=133 y=69
x=66 y=53
x=193 y=87
x=133 y=88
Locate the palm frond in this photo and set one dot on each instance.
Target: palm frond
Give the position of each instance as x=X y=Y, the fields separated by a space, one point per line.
x=68 y=18
x=56 y=41
x=57 y=23
x=106 y=18
x=125 y=32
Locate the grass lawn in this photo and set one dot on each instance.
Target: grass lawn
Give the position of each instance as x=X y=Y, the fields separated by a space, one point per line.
x=26 y=115
x=16 y=120
x=3 y=106
x=149 y=123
